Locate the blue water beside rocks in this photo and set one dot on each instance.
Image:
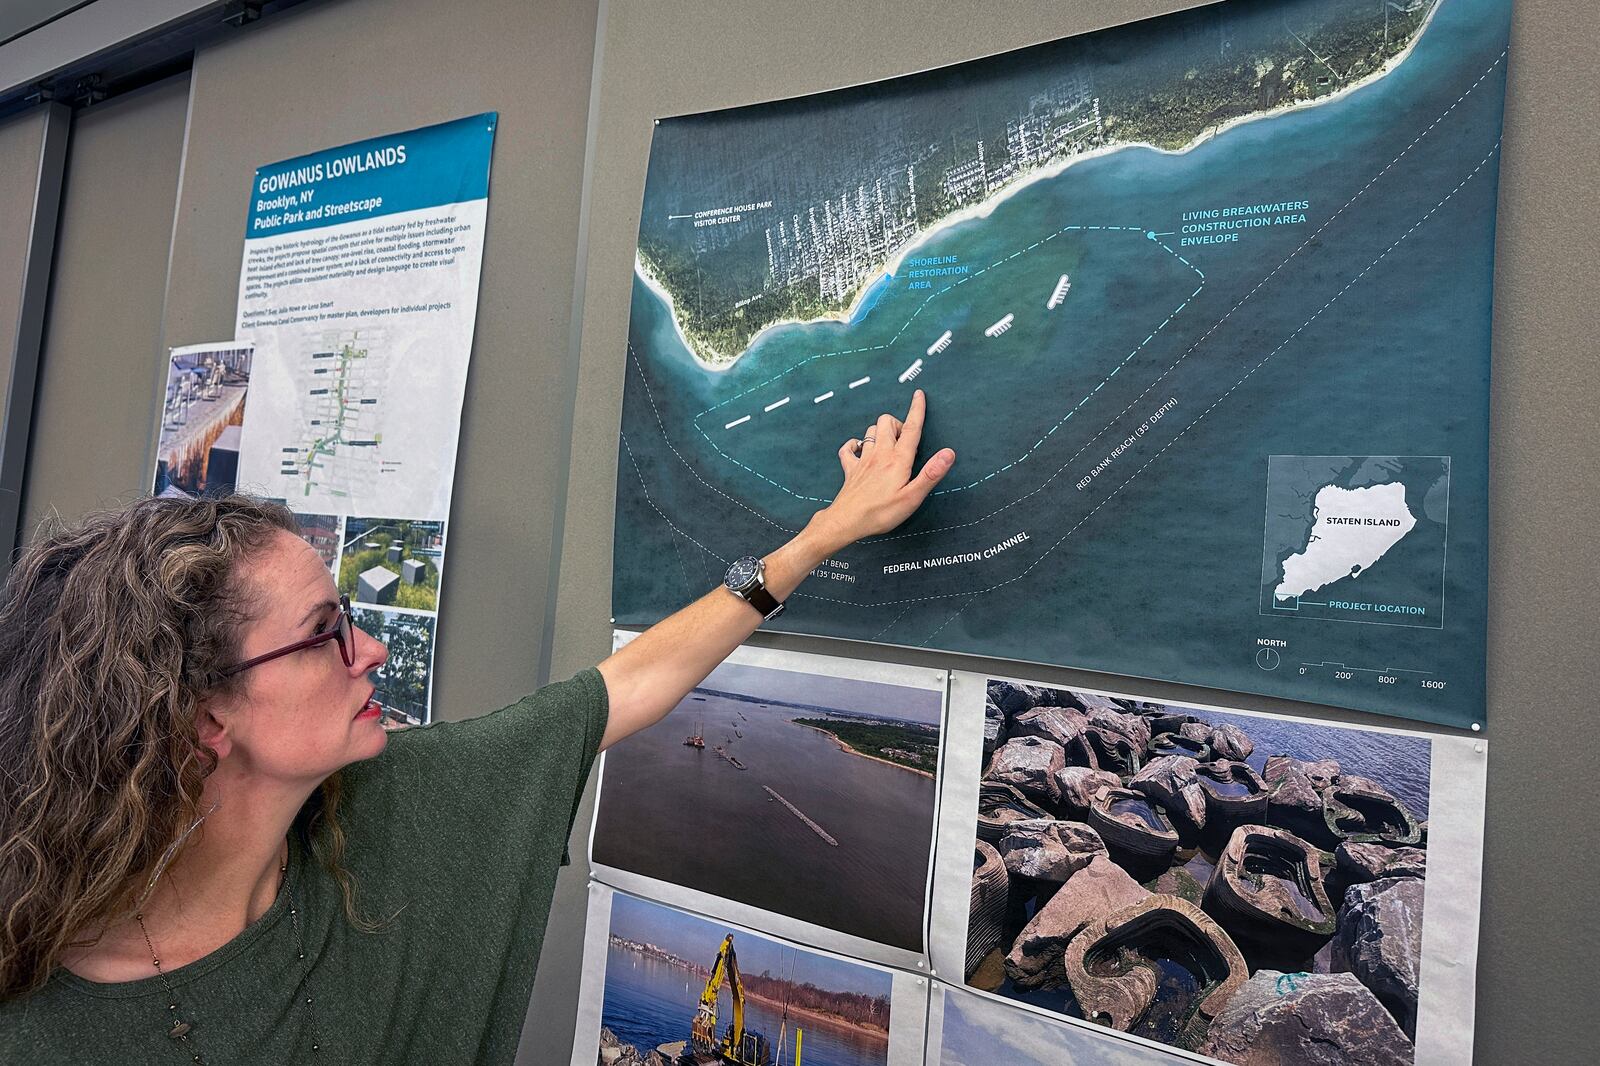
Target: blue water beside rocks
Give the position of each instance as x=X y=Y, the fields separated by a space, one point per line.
x=1399 y=763
x=1364 y=330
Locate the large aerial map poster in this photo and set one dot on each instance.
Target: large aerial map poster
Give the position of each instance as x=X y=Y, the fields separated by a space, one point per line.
x=1202 y=303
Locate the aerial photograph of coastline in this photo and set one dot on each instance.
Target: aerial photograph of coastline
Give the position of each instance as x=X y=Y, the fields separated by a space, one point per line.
x=802 y=794
x=1247 y=887
x=1127 y=268
x=681 y=990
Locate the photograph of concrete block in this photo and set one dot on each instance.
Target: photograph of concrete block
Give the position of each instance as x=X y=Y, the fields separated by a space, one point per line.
x=377 y=585
x=410 y=551
x=1279 y=864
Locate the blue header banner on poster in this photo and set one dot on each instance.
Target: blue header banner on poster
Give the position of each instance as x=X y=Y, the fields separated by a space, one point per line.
x=443 y=164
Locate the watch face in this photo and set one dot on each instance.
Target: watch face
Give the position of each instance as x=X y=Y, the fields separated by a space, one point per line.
x=742 y=574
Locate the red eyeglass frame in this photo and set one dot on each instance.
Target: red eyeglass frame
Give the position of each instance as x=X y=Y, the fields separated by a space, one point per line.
x=343 y=631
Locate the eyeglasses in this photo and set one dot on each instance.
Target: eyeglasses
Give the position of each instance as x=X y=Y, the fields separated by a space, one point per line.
x=342 y=631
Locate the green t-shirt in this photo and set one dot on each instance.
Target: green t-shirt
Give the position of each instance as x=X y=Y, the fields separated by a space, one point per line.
x=458 y=826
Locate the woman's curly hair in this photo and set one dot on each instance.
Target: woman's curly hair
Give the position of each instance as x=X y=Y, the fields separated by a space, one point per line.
x=112 y=634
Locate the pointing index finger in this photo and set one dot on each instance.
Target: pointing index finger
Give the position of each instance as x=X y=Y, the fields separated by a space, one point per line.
x=911 y=434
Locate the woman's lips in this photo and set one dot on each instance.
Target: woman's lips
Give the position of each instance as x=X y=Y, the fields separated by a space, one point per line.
x=371 y=709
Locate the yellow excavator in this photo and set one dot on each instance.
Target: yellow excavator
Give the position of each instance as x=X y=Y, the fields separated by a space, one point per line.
x=736 y=1046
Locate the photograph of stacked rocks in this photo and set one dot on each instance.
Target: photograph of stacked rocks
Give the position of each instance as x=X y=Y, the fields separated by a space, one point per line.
x=1244 y=887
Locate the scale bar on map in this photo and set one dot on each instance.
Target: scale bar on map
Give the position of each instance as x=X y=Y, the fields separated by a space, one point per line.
x=1367 y=669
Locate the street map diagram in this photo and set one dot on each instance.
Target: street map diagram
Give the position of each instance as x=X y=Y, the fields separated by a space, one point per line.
x=336 y=451
x=1166 y=285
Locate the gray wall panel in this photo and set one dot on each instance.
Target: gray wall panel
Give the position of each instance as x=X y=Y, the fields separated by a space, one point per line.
x=1537 y=931
x=340 y=72
x=21 y=139
x=33 y=153
x=95 y=413
x=1538 y=936
x=337 y=72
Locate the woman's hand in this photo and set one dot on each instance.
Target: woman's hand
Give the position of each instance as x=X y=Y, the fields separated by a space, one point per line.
x=647 y=678
x=879 y=491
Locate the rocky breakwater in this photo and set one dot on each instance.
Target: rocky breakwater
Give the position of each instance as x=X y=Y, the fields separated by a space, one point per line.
x=1256 y=917
x=613 y=1052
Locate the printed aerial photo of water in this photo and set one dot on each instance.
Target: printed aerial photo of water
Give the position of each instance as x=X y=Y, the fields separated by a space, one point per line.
x=804 y=795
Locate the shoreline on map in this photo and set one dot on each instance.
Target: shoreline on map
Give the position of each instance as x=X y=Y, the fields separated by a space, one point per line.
x=987 y=206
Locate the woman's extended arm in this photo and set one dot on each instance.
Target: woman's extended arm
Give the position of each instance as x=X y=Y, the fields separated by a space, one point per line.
x=649 y=676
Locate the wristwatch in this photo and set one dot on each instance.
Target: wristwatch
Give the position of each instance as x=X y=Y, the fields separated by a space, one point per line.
x=746 y=579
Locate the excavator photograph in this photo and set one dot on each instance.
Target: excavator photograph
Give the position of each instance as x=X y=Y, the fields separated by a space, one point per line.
x=736 y=1046
x=677 y=994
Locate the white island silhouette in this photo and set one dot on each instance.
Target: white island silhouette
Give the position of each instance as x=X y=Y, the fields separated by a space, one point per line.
x=1351 y=530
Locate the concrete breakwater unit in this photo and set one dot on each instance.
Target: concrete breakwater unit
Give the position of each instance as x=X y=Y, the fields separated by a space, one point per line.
x=723 y=752
x=798 y=813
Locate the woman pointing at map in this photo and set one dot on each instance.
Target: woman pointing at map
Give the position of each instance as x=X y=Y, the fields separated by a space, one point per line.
x=212 y=851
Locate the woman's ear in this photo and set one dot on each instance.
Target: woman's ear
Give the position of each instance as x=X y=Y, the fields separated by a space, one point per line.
x=211 y=725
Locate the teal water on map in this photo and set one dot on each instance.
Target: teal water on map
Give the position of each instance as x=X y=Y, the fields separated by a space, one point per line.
x=1149 y=570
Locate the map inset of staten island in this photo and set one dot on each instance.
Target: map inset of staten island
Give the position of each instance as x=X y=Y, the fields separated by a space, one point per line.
x=1158 y=281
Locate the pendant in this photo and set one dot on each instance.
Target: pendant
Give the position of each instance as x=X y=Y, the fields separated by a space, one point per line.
x=179 y=1030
